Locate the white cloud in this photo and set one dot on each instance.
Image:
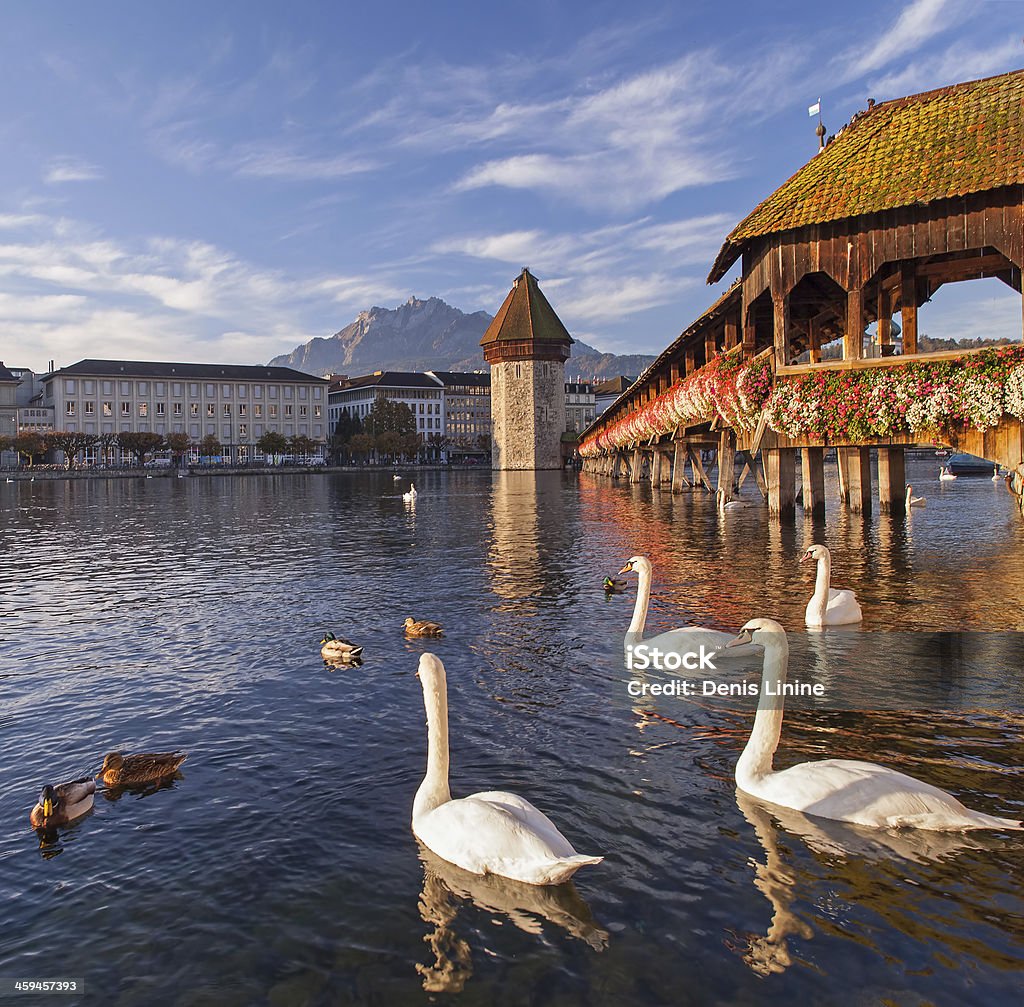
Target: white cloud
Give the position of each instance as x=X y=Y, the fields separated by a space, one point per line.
x=957 y=63
x=276 y=162
x=71 y=169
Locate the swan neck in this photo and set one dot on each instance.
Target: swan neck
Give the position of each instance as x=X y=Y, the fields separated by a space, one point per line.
x=643 y=600
x=822 y=582
x=434 y=791
x=756 y=761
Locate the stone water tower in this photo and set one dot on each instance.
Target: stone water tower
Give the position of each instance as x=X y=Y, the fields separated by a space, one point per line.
x=527 y=347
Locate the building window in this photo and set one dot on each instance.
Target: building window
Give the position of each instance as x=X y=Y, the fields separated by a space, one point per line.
x=303 y=410
x=211 y=410
x=176 y=389
x=211 y=391
x=272 y=392
x=257 y=391
x=288 y=409
x=108 y=408
x=143 y=408
x=69 y=409
x=257 y=410
x=243 y=409
x=316 y=410
x=519 y=370
x=227 y=410
x=193 y=389
x=288 y=391
x=126 y=388
x=225 y=391
x=193 y=409
x=108 y=387
x=241 y=391
x=273 y=411
x=126 y=409
x=90 y=408
x=243 y=430
x=177 y=409
x=161 y=408
x=303 y=391
x=69 y=386
x=317 y=392
x=161 y=388
x=143 y=387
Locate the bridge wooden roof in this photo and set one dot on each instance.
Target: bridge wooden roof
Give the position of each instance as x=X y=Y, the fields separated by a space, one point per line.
x=950 y=142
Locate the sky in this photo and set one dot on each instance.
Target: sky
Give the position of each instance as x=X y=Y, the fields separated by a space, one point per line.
x=222 y=182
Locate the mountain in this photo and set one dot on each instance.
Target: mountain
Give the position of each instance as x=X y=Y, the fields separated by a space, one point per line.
x=429 y=335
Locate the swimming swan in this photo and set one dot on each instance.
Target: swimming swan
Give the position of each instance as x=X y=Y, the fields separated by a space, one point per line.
x=842 y=789
x=913 y=501
x=685 y=639
x=946 y=475
x=829 y=606
x=412 y=494
x=724 y=504
x=488 y=833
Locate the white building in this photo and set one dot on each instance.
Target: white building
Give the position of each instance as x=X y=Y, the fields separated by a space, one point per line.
x=420 y=392
x=580 y=409
x=236 y=403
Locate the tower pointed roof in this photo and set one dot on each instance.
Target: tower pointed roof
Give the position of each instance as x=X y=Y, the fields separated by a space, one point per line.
x=525 y=316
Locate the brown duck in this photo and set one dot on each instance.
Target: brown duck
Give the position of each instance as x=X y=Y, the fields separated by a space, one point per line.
x=63 y=803
x=128 y=770
x=423 y=628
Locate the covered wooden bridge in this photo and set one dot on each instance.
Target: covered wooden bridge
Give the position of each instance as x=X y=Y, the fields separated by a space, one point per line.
x=803 y=353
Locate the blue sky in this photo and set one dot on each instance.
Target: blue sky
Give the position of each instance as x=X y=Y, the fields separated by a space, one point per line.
x=220 y=182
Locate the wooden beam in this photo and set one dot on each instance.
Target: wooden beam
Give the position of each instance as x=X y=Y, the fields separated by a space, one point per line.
x=853 y=337
x=727 y=462
x=679 y=479
x=908 y=307
x=691 y=361
x=892 y=481
x=749 y=337
x=780 y=473
x=814 y=340
x=750 y=465
x=885 y=345
x=812 y=476
x=698 y=468
x=780 y=329
x=858 y=479
x=873 y=362
x=732 y=332
x=952 y=270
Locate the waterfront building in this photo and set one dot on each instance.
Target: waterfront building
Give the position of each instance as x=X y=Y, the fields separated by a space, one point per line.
x=606 y=392
x=580 y=407
x=420 y=392
x=8 y=402
x=236 y=403
x=527 y=345
x=467 y=411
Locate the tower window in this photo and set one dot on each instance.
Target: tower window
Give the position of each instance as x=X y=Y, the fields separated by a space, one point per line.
x=519 y=370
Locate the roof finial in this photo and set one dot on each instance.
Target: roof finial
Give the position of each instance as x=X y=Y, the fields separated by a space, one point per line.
x=820 y=131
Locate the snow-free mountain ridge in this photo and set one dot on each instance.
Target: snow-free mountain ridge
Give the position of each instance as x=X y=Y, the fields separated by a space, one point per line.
x=429 y=335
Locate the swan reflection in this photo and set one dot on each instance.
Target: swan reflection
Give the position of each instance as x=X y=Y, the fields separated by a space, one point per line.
x=778 y=879
x=447 y=887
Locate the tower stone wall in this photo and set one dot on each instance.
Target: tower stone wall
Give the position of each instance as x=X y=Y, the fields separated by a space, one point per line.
x=527 y=414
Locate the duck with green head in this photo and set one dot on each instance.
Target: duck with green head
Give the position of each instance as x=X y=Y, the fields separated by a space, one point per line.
x=337 y=648
x=63 y=803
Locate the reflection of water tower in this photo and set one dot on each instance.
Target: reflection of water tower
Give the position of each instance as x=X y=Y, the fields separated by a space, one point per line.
x=527 y=347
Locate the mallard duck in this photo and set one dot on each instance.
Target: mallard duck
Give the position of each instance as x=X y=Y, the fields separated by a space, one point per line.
x=413 y=628
x=612 y=586
x=128 y=770
x=337 y=648
x=63 y=803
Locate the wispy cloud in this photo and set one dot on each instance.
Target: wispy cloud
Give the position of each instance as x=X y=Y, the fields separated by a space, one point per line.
x=71 y=169
x=958 y=62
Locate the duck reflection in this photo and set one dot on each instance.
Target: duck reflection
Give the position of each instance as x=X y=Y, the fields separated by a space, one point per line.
x=141 y=790
x=782 y=885
x=445 y=889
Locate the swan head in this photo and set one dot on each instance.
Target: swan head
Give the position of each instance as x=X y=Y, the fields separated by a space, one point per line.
x=634 y=564
x=431 y=672
x=815 y=552
x=760 y=631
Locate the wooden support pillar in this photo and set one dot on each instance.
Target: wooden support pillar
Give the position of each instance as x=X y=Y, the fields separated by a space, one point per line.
x=698 y=470
x=780 y=473
x=638 y=464
x=617 y=465
x=732 y=332
x=679 y=479
x=812 y=473
x=853 y=338
x=780 y=329
x=858 y=480
x=691 y=361
x=885 y=345
x=843 y=465
x=750 y=465
x=666 y=467
x=727 y=462
x=908 y=307
x=710 y=345
x=749 y=337
x=656 y=468
x=814 y=340
x=892 y=481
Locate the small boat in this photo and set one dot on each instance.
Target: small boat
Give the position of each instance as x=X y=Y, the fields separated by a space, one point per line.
x=962 y=464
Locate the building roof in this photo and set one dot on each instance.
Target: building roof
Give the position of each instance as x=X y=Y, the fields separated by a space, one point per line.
x=470 y=378
x=525 y=315
x=950 y=142
x=390 y=379
x=156 y=369
x=613 y=386
x=6 y=375
x=578 y=388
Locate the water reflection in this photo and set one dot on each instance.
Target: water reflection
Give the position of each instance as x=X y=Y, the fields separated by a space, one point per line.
x=446 y=888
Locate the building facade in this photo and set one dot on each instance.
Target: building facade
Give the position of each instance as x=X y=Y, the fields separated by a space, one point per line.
x=580 y=409
x=236 y=403
x=467 y=412
x=420 y=392
x=527 y=345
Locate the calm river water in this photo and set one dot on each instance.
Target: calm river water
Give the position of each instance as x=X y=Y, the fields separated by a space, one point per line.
x=281 y=869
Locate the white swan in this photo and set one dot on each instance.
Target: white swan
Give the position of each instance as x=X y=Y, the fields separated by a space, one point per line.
x=724 y=504
x=913 y=501
x=996 y=477
x=488 y=833
x=862 y=793
x=412 y=494
x=396 y=478
x=829 y=606
x=685 y=639
x=945 y=475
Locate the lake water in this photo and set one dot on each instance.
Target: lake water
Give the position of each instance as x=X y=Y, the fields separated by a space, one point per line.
x=281 y=869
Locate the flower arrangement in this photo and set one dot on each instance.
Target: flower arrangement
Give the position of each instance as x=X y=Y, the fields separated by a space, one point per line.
x=919 y=397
